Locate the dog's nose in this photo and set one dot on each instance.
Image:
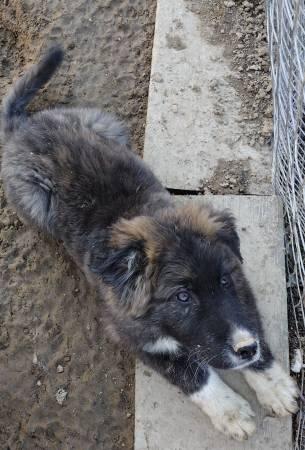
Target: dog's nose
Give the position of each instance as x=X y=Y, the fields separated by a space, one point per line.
x=247 y=351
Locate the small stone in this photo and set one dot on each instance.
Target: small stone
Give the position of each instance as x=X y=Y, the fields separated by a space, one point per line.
x=267 y=127
x=247 y=4
x=254 y=67
x=269 y=111
x=61 y=395
x=229 y=3
x=60 y=368
x=38 y=383
x=128 y=415
x=261 y=94
x=213 y=85
x=262 y=51
x=260 y=8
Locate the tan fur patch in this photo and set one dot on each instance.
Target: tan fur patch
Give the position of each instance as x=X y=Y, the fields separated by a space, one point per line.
x=195 y=218
x=143 y=229
x=140 y=228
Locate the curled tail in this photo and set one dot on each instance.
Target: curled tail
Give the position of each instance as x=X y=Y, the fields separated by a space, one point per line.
x=24 y=90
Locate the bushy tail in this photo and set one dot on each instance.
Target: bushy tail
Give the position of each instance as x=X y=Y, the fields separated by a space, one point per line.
x=24 y=90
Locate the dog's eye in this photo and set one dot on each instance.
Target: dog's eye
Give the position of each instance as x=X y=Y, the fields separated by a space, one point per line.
x=183 y=296
x=225 y=281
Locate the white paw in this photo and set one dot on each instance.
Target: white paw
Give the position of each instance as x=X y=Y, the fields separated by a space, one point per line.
x=276 y=391
x=235 y=418
x=228 y=411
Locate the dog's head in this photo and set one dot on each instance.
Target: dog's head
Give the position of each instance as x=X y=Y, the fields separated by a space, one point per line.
x=179 y=276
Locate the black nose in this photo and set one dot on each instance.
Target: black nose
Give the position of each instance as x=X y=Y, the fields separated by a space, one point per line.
x=248 y=351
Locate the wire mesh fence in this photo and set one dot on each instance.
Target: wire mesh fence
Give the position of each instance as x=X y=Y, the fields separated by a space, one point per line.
x=286 y=35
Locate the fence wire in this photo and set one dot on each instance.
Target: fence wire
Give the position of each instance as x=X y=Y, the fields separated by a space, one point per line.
x=286 y=35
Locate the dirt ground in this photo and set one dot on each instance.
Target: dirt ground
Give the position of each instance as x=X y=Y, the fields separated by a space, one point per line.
x=63 y=385
x=240 y=26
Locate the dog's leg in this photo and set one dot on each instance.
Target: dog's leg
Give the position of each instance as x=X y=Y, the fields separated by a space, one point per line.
x=275 y=390
x=32 y=194
x=228 y=411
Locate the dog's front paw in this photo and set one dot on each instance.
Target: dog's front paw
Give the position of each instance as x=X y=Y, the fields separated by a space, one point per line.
x=234 y=417
x=275 y=390
x=228 y=411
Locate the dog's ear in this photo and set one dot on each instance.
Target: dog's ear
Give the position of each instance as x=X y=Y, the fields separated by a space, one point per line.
x=127 y=264
x=140 y=232
x=227 y=232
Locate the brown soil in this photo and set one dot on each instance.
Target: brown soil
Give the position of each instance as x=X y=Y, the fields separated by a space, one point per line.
x=240 y=25
x=229 y=176
x=63 y=384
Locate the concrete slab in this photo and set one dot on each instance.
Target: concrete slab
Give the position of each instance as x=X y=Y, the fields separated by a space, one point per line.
x=164 y=418
x=194 y=128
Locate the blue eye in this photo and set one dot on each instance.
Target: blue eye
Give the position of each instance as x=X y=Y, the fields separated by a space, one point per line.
x=183 y=296
x=225 y=281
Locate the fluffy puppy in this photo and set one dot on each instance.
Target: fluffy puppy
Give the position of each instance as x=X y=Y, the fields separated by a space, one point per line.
x=170 y=276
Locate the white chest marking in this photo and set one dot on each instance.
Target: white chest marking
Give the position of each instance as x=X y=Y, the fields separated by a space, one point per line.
x=164 y=344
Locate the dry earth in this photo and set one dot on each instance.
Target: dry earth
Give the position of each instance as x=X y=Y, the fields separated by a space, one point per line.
x=240 y=26
x=63 y=385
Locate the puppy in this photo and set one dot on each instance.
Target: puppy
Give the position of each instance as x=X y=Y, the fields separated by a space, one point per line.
x=170 y=276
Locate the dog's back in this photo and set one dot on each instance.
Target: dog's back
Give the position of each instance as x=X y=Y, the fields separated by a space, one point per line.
x=71 y=167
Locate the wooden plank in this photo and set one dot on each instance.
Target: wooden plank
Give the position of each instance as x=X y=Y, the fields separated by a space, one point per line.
x=194 y=127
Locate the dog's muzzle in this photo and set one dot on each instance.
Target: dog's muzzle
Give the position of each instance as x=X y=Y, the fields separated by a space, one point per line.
x=245 y=348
